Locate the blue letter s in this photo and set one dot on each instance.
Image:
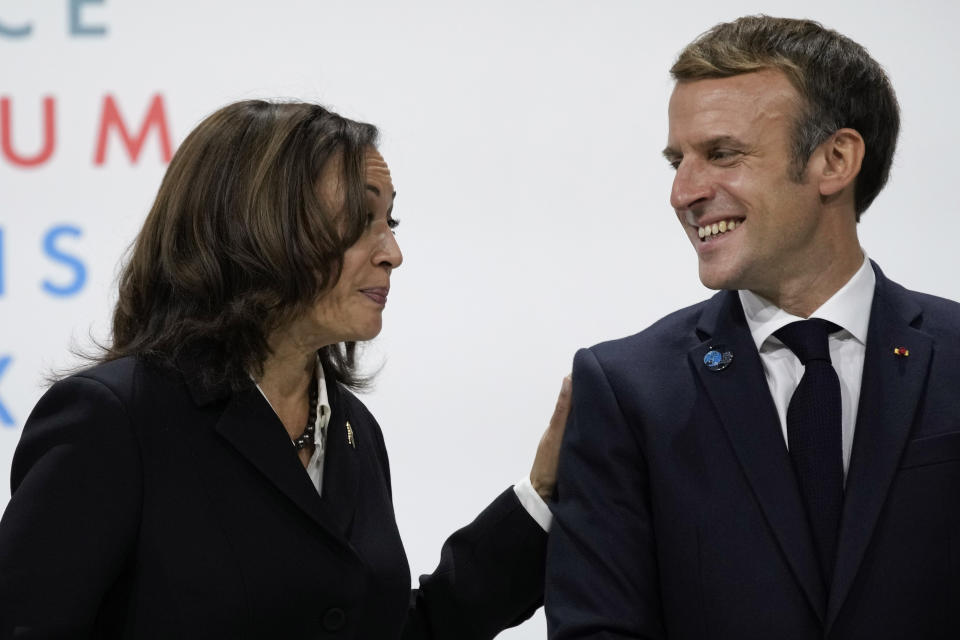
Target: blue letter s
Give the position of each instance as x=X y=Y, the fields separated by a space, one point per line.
x=79 y=270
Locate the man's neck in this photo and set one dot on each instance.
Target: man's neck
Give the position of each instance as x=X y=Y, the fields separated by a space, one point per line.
x=803 y=293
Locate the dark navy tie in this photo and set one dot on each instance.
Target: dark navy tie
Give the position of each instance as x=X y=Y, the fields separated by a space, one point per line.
x=814 y=434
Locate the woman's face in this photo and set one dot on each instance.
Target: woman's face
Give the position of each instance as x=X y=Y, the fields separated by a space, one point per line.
x=352 y=310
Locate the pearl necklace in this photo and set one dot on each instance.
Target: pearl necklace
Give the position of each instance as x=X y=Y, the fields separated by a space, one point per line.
x=306 y=438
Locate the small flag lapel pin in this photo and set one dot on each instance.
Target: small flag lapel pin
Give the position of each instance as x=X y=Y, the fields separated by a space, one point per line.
x=901 y=351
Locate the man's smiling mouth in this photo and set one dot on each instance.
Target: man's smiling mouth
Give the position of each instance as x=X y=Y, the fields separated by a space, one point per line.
x=709 y=231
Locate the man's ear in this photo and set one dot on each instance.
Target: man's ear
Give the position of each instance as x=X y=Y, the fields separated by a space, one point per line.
x=841 y=156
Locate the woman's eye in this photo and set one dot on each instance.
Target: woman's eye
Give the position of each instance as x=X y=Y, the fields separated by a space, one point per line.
x=392 y=223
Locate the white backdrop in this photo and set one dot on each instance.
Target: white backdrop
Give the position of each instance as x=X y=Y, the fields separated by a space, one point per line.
x=524 y=140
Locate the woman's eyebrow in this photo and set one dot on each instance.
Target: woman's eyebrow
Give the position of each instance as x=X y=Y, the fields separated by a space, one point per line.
x=376 y=191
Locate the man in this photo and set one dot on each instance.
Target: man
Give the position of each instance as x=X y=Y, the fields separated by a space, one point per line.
x=727 y=473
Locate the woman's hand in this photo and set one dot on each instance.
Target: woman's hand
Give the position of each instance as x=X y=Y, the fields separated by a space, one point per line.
x=543 y=475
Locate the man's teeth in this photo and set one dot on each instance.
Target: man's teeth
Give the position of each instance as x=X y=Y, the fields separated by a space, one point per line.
x=716 y=228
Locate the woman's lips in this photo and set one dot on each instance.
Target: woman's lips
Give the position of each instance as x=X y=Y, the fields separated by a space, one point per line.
x=377 y=294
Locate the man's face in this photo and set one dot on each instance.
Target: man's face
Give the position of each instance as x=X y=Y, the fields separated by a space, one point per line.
x=729 y=142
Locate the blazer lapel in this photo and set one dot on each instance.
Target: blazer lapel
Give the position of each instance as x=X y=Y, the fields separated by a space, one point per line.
x=251 y=426
x=254 y=430
x=890 y=393
x=742 y=399
x=341 y=476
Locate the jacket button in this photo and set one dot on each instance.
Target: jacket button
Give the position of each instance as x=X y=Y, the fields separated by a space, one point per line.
x=334 y=619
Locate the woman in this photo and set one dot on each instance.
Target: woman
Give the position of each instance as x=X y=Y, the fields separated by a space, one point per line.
x=213 y=476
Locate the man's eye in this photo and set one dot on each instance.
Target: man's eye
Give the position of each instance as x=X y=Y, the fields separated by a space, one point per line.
x=723 y=154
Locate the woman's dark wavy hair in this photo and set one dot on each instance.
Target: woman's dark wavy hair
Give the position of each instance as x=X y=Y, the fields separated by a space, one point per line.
x=238 y=241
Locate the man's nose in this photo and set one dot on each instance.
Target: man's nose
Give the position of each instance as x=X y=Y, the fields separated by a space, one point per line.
x=691 y=184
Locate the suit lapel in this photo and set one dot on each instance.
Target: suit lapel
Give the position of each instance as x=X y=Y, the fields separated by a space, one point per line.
x=251 y=426
x=890 y=393
x=254 y=430
x=742 y=399
x=341 y=476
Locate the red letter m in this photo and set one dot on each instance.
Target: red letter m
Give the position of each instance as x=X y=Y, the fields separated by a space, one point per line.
x=156 y=117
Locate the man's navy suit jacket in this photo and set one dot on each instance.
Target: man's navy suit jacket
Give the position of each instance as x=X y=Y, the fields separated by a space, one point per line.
x=679 y=513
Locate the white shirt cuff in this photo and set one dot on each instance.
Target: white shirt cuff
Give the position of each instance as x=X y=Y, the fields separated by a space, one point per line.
x=533 y=503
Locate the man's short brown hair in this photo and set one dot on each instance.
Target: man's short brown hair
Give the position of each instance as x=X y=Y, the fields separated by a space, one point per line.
x=840 y=84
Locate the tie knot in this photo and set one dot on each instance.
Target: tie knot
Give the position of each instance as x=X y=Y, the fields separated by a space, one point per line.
x=807 y=338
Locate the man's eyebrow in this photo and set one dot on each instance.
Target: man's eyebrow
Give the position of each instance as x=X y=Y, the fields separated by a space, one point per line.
x=717 y=141
x=722 y=140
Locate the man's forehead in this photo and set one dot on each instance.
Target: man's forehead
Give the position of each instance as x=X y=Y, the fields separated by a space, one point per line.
x=734 y=106
x=756 y=90
x=377 y=173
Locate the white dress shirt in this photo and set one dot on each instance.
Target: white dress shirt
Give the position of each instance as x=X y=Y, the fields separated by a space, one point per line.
x=529 y=498
x=849 y=308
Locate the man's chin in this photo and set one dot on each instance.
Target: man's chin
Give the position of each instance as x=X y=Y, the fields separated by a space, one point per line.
x=717 y=279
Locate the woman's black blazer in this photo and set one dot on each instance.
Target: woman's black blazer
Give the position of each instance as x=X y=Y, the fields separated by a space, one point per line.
x=146 y=504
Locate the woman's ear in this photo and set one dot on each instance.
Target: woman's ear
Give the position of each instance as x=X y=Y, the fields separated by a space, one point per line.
x=841 y=156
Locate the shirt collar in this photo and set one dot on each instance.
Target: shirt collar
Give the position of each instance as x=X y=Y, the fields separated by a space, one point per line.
x=323 y=404
x=848 y=308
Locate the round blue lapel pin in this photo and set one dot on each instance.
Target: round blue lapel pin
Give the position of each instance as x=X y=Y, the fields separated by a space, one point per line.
x=718 y=358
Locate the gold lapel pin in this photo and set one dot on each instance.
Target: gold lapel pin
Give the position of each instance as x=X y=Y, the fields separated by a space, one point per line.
x=350 y=440
x=901 y=351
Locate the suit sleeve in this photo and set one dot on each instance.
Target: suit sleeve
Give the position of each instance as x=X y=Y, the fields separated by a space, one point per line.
x=602 y=580
x=73 y=514
x=490 y=577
